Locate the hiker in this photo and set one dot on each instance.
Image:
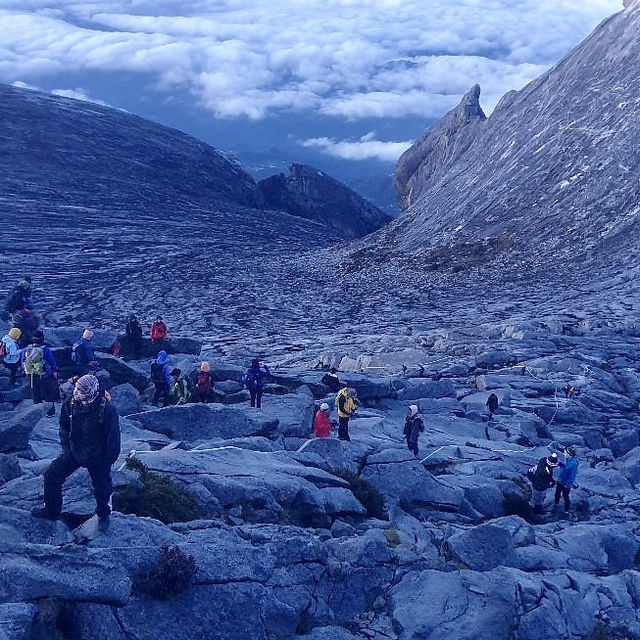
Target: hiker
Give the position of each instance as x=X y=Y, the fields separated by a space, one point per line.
x=492 y=404
x=82 y=354
x=566 y=478
x=413 y=425
x=346 y=406
x=28 y=322
x=321 y=422
x=158 y=334
x=133 y=331
x=179 y=387
x=570 y=392
x=541 y=477
x=11 y=353
x=19 y=298
x=254 y=381
x=115 y=349
x=161 y=378
x=90 y=438
x=42 y=372
x=203 y=390
x=331 y=380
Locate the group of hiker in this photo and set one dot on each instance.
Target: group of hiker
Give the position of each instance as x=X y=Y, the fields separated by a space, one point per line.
x=542 y=479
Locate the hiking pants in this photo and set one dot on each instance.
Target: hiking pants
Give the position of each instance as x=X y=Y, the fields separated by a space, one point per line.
x=413 y=447
x=537 y=500
x=343 y=429
x=61 y=468
x=563 y=491
x=256 y=397
x=162 y=389
x=13 y=370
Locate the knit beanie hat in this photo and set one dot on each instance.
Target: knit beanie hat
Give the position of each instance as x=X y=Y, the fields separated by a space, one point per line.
x=87 y=334
x=552 y=460
x=205 y=367
x=15 y=333
x=86 y=389
x=413 y=408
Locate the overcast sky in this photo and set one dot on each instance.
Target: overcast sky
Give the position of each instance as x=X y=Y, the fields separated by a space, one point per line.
x=338 y=59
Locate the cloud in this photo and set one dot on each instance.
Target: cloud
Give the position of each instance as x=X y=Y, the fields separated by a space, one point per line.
x=76 y=94
x=367 y=148
x=343 y=58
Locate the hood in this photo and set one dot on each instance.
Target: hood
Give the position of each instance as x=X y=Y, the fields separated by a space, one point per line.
x=162 y=358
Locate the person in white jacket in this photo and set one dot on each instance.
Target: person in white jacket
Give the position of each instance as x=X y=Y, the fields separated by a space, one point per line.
x=12 y=353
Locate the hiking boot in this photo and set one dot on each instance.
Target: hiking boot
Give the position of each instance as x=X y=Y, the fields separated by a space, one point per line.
x=43 y=513
x=51 y=411
x=103 y=523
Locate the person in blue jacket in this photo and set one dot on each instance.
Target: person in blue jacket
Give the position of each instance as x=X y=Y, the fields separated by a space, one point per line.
x=161 y=378
x=254 y=381
x=566 y=479
x=41 y=370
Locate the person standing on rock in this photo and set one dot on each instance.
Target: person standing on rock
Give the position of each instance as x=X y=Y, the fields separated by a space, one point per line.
x=321 y=422
x=133 y=331
x=41 y=370
x=179 y=387
x=90 y=438
x=566 y=478
x=83 y=355
x=542 y=480
x=158 y=334
x=413 y=426
x=19 y=299
x=203 y=390
x=331 y=380
x=254 y=381
x=346 y=406
x=12 y=353
x=492 y=405
x=161 y=378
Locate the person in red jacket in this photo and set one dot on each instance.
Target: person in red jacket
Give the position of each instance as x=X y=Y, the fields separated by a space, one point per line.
x=158 y=334
x=321 y=423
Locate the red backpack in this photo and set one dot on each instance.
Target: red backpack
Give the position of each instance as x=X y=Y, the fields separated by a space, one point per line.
x=203 y=382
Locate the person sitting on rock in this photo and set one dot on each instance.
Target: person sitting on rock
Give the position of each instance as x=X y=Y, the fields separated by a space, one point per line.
x=346 y=406
x=254 y=380
x=542 y=480
x=90 y=438
x=41 y=370
x=158 y=334
x=331 y=380
x=413 y=426
x=203 y=389
x=566 y=478
x=321 y=422
x=179 y=387
x=20 y=298
x=83 y=355
x=161 y=378
x=492 y=404
x=12 y=353
x=133 y=331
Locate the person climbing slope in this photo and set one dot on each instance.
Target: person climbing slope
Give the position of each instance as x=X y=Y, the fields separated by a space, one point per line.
x=41 y=370
x=331 y=380
x=11 y=353
x=203 y=389
x=254 y=381
x=346 y=406
x=541 y=477
x=19 y=298
x=158 y=334
x=413 y=426
x=566 y=478
x=83 y=355
x=492 y=404
x=161 y=378
x=321 y=422
x=90 y=438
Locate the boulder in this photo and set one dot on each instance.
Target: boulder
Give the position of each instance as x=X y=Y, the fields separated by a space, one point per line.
x=68 y=336
x=121 y=373
x=172 y=345
x=125 y=398
x=16 y=620
x=9 y=467
x=16 y=427
x=419 y=388
x=623 y=442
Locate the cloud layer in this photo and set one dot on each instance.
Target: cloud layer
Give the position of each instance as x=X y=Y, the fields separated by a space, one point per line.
x=367 y=148
x=345 y=58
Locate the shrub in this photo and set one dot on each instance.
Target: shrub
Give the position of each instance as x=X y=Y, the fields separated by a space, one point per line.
x=366 y=494
x=155 y=497
x=516 y=505
x=169 y=575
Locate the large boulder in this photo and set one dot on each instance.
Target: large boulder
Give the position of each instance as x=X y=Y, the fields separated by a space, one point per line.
x=125 y=398
x=422 y=388
x=68 y=336
x=121 y=373
x=16 y=427
x=9 y=467
x=173 y=344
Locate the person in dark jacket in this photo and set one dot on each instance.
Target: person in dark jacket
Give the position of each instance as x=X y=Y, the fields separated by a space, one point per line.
x=254 y=381
x=332 y=381
x=413 y=426
x=161 y=378
x=83 y=355
x=492 y=404
x=20 y=298
x=566 y=478
x=90 y=438
x=134 y=335
x=542 y=480
x=28 y=322
x=41 y=370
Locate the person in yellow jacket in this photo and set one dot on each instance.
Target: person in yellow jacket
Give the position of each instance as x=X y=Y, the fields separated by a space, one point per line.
x=346 y=405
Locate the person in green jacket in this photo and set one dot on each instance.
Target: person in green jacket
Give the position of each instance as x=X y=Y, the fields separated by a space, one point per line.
x=179 y=387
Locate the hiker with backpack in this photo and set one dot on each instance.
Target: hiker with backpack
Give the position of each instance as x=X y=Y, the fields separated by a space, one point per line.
x=161 y=378
x=321 y=422
x=331 y=380
x=28 y=322
x=492 y=405
x=566 y=478
x=254 y=381
x=11 y=353
x=158 y=334
x=203 y=384
x=413 y=426
x=541 y=477
x=19 y=298
x=83 y=355
x=133 y=331
x=179 y=387
x=41 y=370
x=90 y=438
x=346 y=406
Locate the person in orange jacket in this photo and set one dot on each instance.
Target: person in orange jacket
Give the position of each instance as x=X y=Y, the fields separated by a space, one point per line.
x=158 y=334
x=321 y=423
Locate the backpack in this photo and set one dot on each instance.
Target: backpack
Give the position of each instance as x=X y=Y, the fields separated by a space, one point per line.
x=34 y=362
x=78 y=355
x=531 y=474
x=157 y=375
x=203 y=382
x=251 y=379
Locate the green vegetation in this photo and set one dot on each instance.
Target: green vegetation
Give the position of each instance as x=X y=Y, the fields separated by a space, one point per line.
x=170 y=574
x=366 y=494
